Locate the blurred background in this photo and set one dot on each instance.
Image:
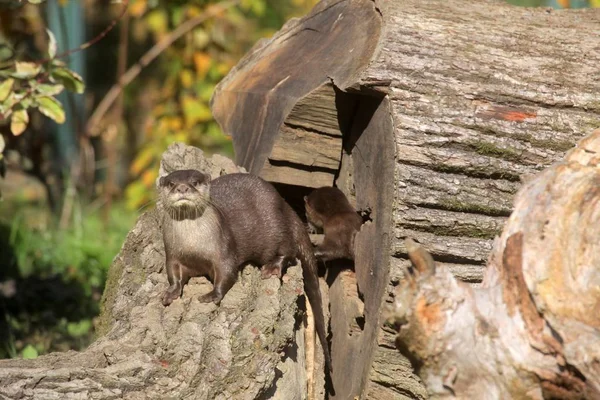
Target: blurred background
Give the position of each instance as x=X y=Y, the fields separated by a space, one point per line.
x=79 y=152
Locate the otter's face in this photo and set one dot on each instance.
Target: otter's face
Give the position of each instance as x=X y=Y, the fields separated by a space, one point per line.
x=185 y=190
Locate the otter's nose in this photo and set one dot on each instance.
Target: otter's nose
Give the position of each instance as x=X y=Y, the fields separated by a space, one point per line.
x=183 y=189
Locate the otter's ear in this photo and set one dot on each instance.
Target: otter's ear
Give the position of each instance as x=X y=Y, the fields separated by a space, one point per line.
x=207 y=178
x=162 y=181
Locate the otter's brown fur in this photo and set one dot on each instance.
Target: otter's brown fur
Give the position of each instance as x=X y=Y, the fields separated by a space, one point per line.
x=214 y=228
x=327 y=208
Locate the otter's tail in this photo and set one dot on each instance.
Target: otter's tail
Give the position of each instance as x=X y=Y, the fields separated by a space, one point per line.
x=311 y=283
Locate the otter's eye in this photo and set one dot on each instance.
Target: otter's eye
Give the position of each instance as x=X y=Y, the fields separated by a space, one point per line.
x=171 y=185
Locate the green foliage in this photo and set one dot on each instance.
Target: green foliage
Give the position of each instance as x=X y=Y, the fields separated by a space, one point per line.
x=33 y=85
x=60 y=275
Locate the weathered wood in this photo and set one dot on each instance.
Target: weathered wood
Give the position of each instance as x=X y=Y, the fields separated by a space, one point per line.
x=481 y=96
x=529 y=331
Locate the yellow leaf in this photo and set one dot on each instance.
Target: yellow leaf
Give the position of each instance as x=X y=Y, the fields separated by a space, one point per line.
x=174 y=123
x=138 y=8
x=202 y=62
x=595 y=3
x=187 y=78
x=158 y=22
x=19 y=122
x=194 y=11
x=63 y=2
x=143 y=159
x=149 y=177
x=223 y=68
x=5 y=88
x=194 y=111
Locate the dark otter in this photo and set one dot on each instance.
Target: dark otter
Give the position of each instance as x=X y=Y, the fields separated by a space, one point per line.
x=215 y=227
x=327 y=208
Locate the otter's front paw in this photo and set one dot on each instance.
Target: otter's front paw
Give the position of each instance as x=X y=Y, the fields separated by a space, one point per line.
x=171 y=294
x=212 y=297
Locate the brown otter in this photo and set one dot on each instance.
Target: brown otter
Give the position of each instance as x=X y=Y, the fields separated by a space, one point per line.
x=328 y=208
x=215 y=227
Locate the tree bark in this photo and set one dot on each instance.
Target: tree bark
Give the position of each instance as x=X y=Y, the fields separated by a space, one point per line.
x=532 y=330
x=429 y=116
x=441 y=110
x=247 y=348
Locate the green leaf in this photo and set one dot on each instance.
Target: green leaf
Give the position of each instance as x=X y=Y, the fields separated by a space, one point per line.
x=36 y=1
x=69 y=79
x=19 y=122
x=5 y=88
x=194 y=111
x=49 y=90
x=2 y=144
x=51 y=44
x=26 y=70
x=78 y=329
x=51 y=108
x=29 y=351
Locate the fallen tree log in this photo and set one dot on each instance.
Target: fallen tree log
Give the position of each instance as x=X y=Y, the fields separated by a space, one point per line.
x=426 y=114
x=532 y=330
x=247 y=348
x=429 y=115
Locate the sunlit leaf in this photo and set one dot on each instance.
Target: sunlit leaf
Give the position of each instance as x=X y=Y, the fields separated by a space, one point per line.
x=51 y=108
x=69 y=79
x=149 y=176
x=138 y=7
x=177 y=15
x=29 y=351
x=259 y=7
x=204 y=90
x=200 y=38
x=49 y=90
x=5 y=88
x=135 y=193
x=194 y=111
x=143 y=159
x=187 y=78
x=63 y=3
x=51 y=44
x=158 y=21
x=2 y=144
x=193 y=11
x=202 y=63
x=173 y=123
x=19 y=122
x=36 y=2
x=24 y=70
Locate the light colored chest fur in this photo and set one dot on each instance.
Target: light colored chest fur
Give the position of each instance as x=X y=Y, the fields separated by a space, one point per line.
x=197 y=240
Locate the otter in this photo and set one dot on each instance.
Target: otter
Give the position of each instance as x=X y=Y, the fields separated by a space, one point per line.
x=327 y=208
x=215 y=227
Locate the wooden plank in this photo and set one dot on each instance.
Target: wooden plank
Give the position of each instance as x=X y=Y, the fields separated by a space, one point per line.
x=294 y=176
x=373 y=173
x=317 y=111
x=308 y=148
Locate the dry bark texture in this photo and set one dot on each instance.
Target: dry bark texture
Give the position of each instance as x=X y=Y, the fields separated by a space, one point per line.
x=532 y=330
x=187 y=350
x=449 y=105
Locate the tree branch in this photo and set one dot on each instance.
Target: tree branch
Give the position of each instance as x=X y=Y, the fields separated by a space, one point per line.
x=112 y=95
